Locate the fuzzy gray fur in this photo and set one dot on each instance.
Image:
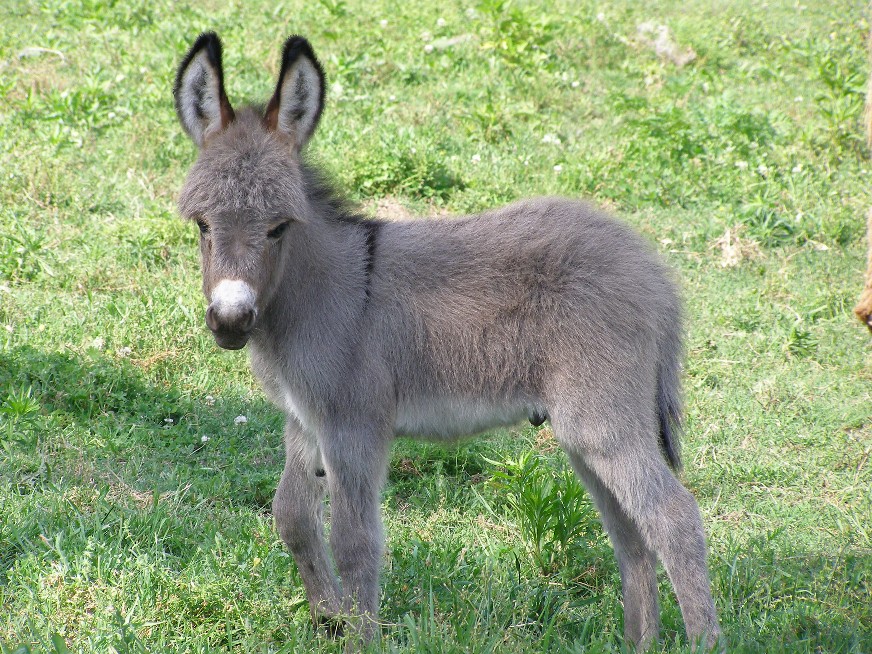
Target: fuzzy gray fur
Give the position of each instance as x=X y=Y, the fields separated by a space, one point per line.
x=438 y=329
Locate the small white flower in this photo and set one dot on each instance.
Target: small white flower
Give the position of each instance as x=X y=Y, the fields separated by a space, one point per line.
x=798 y=98
x=392 y=98
x=601 y=17
x=526 y=162
x=98 y=343
x=204 y=439
x=428 y=48
x=470 y=13
x=124 y=352
x=553 y=139
x=763 y=169
x=575 y=84
x=440 y=22
x=476 y=158
x=558 y=168
x=169 y=421
x=210 y=400
x=742 y=165
x=798 y=216
x=10 y=328
x=383 y=22
x=240 y=420
x=796 y=169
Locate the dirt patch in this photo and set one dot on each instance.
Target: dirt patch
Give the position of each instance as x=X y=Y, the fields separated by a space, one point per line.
x=660 y=39
x=735 y=249
x=388 y=208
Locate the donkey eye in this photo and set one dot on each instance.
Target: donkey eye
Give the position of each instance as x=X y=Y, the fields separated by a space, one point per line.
x=204 y=227
x=278 y=230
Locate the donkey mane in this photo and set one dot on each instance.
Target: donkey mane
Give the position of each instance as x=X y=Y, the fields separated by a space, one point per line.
x=322 y=193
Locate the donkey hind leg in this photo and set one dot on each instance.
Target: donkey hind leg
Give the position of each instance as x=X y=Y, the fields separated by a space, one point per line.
x=298 y=507
x=622 y=454
x=356 y=463
x=636 y=561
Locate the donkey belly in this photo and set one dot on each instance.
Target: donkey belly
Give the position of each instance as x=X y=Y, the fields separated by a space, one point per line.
x=450 y=418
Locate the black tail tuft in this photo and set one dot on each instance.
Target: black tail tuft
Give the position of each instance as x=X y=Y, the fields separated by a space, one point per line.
x=669 y=399
x=670 y=428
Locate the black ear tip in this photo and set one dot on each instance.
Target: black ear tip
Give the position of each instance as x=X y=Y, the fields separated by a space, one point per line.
x=210 y=42
x=295 y=47
x=297 y=42
x=207 y=37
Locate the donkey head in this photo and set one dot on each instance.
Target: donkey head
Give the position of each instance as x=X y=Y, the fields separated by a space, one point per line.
x=246 y=190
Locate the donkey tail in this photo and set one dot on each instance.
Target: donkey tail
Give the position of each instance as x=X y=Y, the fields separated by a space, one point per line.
x=669 y=398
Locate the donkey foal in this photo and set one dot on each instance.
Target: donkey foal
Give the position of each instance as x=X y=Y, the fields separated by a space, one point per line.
x=362 y=330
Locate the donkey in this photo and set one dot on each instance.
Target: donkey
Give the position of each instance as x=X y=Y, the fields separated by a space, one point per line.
x=362 y=330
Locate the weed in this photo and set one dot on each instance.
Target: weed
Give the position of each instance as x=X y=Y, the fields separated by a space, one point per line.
x=336 y=8
x=556 y=519
x=516 y=33
x=19 y=404
x=409 y=168
x=841 y=102
x=800 y=341
x=765 y=223
x=23 y=253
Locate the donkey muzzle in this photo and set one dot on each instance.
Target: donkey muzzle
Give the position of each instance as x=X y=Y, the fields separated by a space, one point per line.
x=232 y=313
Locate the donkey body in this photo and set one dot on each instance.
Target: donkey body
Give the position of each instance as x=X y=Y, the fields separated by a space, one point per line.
x=362 y=330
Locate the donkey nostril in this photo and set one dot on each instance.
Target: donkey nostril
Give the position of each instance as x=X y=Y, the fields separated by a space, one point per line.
x=248 y=320
x=211 y=322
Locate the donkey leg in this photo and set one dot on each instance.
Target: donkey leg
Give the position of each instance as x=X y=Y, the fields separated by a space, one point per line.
x=297 y=508
x=356 y=467
x=622 y=453
x=636 y=561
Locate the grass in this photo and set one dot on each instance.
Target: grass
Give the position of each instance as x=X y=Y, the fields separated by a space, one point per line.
x=134 y=512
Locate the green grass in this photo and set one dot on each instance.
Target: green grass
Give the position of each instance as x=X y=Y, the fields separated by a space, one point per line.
x=123 y=530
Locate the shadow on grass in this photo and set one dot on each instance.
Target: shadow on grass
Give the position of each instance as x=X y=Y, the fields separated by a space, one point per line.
x=776 y=597
x=84 y=388
x=86 y=425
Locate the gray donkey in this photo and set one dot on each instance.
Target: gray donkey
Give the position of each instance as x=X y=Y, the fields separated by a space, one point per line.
x=361 y=330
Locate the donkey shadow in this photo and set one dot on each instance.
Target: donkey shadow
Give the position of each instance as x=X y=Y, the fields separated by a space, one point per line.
x=99 y=420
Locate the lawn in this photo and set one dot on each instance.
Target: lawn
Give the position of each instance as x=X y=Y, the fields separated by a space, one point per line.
x=135 y=504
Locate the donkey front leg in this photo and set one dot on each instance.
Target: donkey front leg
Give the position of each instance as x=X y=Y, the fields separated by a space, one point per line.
x=356 y=463
x=297 y=508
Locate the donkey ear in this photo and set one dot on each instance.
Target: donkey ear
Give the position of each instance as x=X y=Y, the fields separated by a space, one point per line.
x=299 y=98
x=201 y=102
